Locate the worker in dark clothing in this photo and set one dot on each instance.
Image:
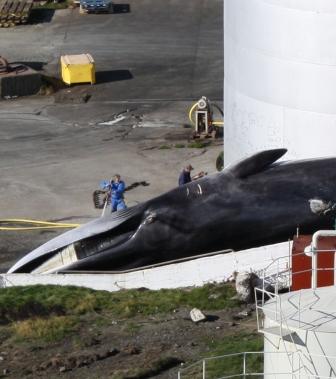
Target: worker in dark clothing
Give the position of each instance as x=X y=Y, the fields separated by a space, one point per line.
x=185 y=176
x=117 y=189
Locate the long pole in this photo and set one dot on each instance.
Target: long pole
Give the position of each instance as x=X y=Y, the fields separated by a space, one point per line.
x=105 y=205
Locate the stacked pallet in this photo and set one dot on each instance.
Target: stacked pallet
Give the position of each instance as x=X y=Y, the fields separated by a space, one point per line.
x=14 y=12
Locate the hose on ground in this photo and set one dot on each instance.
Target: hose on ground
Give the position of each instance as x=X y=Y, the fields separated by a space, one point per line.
x=33 y=224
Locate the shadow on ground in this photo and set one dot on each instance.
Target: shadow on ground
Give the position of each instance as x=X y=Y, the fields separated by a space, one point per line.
x=39 y=16
x=37 y=66
x=113 y=76
x=121 y=8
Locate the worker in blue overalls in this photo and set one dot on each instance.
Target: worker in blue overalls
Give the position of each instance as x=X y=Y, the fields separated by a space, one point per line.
x=117 y=189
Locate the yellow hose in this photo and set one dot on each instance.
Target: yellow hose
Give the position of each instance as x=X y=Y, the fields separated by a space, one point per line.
x=37 y=224
x=190 y=113
x=217 y=122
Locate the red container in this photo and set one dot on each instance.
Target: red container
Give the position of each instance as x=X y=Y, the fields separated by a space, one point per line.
x=302 y=264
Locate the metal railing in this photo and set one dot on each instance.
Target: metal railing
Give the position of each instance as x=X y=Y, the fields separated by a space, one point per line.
x=202 y=369
x=276 y=277
x=278 y=274
x=237 y=365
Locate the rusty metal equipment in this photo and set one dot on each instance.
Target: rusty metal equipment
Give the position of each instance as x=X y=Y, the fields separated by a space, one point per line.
x=4 y=66
x=201 y=115
x=7 y=68
x=17 y=79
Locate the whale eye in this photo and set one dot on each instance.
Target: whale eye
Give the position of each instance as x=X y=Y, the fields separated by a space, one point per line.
x=151 y=217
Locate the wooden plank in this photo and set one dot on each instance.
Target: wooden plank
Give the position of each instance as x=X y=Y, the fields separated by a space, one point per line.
x=20 y=8
x=2 y=4
x=6 y=7
x=13 y=8
x=28 y=7
x=14 y=12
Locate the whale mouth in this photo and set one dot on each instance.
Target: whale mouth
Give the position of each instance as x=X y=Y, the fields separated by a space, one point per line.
x=108 y=245
x=72 y=254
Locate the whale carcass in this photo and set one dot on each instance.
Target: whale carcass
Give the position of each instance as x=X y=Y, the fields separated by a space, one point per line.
x=252 y=203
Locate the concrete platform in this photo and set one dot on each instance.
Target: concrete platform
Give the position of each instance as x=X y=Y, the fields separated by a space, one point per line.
x=216 y=268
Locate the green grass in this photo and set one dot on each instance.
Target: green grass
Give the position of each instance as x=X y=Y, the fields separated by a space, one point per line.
x=49 y=313
x=220 y=161
x=179 y=145
x=154 y=368
x=132 y=327
x=225 y=366
x=19 y=303
x=164 y=147
x=45 y=329
x=198 y=144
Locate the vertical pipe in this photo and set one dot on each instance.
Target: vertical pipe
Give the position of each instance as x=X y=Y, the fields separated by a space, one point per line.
x=290 y=265
x=314 y=269
x=203 y=369
x=244 y=365
x=277 y=279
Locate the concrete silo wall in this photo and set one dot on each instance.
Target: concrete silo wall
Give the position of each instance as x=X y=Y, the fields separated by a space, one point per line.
x=280 y=77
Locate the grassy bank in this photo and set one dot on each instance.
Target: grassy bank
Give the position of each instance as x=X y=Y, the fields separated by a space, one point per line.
x=50 y=312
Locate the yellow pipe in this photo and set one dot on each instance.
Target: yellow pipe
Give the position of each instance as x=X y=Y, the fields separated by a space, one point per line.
x=37 y=224
x=217 y=122
x=190 y=113
x=32 y=228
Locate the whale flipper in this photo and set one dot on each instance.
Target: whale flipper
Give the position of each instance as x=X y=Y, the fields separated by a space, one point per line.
x=255 y=163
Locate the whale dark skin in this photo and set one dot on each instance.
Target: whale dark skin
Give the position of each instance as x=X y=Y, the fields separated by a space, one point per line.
x=250 y=204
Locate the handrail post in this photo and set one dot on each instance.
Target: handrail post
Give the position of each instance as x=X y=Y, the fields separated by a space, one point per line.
x=203 y=364
x=179 y=374
x=300 y=309
x=244 y=365
x=314 y=269
x=277 y=278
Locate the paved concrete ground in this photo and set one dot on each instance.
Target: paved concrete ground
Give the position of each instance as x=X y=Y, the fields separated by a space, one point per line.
x=151 y=64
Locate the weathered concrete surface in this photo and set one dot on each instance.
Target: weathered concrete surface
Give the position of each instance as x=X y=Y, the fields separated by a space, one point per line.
x=153 y=62
x=161 y=49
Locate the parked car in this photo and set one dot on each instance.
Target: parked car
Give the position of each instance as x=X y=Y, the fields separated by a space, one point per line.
x=95 y=6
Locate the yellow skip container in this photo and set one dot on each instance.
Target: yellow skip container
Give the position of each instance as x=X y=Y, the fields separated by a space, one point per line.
x=78 y=69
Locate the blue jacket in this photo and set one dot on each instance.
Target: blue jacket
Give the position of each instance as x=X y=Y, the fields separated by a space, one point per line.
x=117 y=190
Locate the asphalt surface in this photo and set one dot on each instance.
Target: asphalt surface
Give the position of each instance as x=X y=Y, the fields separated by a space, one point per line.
x=152 y=63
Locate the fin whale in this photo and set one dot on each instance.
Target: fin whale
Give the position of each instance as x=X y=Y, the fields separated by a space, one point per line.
x=254 y=202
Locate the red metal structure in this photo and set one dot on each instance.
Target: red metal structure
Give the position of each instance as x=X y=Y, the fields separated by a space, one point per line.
x=302 y=263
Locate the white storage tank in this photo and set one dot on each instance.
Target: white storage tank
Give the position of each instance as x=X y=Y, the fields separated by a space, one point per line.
x=280 y=77
x=302 y=328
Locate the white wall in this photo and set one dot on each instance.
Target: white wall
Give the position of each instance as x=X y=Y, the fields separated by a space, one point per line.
x=280 y=77
x=197 y=272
